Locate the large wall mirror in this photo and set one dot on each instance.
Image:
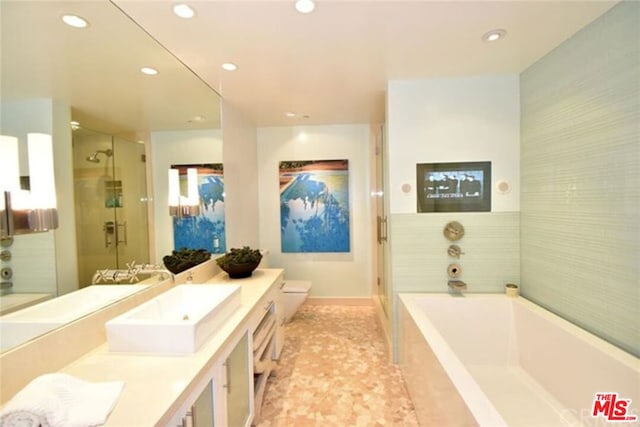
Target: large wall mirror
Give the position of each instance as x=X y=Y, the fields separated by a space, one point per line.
x=106 y=180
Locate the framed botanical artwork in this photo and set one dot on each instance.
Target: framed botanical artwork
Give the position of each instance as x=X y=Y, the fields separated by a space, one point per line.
x=454 y=187
x=207 y=229
x=314 y=206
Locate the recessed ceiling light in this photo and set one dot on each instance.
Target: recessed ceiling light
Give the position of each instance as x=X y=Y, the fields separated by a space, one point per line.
x=148 y=71
x=494 y=35
x=305 y=6
x=229 y=66
x=75 y=125
x=75 y=21
x=183 y=11
x=290 y=114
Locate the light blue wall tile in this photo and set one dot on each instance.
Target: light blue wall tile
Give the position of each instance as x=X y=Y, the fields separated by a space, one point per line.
x=580 y=173
x=491 y=247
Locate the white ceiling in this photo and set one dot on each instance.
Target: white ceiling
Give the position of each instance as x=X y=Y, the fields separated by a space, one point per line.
x=333 y=64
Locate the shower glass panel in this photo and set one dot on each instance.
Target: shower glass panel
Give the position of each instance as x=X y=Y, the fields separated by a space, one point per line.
x=131 y=215
x=110 y=203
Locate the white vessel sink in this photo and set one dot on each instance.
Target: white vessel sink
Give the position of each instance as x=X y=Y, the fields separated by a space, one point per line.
x=176 y=322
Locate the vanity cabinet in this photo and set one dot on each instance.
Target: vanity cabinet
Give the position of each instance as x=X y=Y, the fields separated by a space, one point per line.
x=227 y=396
x=267 y=341
x=235 y=388
x=278 y=292
x=230 y=393
x=202 y=410
x=161 y=389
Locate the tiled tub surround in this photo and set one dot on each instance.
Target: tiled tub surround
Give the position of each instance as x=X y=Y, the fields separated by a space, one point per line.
x=494 y=360
x=490 y=246
x=580 y=167
x=334 y=371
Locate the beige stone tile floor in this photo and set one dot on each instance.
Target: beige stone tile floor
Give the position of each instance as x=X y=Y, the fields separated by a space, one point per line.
x=334 y=371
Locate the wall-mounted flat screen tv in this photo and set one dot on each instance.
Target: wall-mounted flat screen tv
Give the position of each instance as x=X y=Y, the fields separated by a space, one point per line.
x=454 y=187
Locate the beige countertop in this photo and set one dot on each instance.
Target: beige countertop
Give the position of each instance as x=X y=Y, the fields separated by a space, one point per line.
x=156 y=386
x=13 y=302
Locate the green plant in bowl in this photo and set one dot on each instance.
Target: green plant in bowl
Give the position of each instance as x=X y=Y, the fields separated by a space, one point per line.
x=240 y=262
x=184 y=258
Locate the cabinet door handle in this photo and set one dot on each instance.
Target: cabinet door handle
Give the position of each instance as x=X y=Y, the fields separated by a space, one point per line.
x=281 y=285
x=227 y=376
x=384 y=229
x=268 y=305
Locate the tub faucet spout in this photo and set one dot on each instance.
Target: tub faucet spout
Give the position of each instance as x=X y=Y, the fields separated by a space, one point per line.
x=456 y=287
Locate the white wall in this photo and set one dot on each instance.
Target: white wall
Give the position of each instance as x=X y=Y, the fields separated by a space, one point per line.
x=458 y=119
x=454 y=120
x=332 y=274
x=240 y=179
x=171 y=148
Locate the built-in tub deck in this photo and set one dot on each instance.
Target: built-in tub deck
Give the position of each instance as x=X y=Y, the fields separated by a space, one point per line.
x=519 y=399
x=506 y=361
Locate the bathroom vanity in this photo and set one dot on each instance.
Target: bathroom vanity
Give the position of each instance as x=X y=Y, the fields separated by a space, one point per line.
x=214 y=383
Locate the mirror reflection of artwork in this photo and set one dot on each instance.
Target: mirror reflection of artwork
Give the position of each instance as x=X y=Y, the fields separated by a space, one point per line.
x=207 y=229
x=454 y=187
x=314 y=206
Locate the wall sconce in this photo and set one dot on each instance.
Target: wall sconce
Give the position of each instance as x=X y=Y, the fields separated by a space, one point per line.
x=181 y=206
x=27 y=211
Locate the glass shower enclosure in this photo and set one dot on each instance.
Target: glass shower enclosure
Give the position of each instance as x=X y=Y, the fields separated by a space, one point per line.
x=110 y=202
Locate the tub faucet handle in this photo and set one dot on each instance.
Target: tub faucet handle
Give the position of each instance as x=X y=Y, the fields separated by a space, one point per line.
x=454 y=251
x=456 y=286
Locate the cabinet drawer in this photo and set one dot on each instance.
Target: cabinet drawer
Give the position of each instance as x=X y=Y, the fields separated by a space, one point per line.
x=265 y=328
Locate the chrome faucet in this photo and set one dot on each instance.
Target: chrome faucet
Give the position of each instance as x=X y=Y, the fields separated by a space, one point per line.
x=456 y=287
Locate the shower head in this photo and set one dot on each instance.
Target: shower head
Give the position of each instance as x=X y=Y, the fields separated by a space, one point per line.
x=94 y=157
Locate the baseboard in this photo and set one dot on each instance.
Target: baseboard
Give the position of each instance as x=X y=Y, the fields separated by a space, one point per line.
x=339 y=301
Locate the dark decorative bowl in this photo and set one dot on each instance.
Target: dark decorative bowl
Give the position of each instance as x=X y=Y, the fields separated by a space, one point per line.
x=239 y=271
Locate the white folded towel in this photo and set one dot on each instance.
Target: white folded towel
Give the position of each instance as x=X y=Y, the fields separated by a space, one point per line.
x=61 y=400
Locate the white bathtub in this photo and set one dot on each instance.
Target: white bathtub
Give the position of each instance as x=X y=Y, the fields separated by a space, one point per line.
x=491 y=360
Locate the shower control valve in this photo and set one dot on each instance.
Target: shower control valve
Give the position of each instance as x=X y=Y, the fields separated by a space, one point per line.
x=6 y=273
x=5 y=255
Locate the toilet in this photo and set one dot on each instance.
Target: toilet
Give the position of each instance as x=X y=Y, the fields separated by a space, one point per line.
x=295 y=292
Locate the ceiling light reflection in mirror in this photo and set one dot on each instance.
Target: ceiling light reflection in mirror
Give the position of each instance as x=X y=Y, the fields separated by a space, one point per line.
x=95 y=71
